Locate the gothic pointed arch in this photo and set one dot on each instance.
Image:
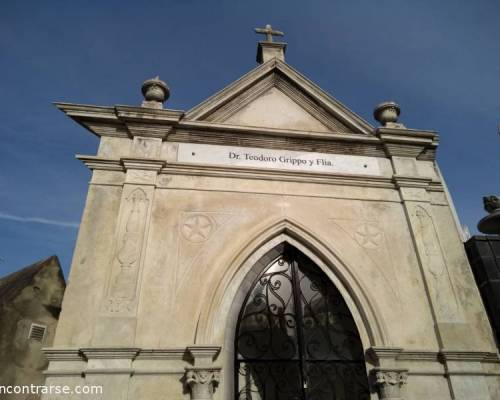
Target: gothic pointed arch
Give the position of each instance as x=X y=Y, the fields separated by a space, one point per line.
x=295 y=336
x=217 y=318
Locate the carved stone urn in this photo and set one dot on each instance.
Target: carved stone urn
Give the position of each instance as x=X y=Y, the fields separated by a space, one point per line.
x=387 y=113
x=155 y=93
x=491 y=223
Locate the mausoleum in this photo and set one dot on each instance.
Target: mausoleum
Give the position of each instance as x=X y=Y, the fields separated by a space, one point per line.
x=268 y=243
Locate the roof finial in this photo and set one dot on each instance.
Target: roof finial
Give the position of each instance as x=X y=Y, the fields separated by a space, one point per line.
x=267 y=49
x=387 y=114
x=155 y=93
x=268 y=31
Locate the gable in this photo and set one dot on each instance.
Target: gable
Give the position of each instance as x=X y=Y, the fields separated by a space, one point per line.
x=274 y=95
x=274 y=109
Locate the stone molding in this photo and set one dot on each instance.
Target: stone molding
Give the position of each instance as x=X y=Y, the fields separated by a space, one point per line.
x=62 y=354
x=203 y=354
x=82 y=354
x=378 y=354
x=100 y=163
x=128 y=122
x=469 y=356
x=142 y=163
x=123 y=121
x=276 y=175
x=93 y=353
x=404 y=181
x=404 y=142
x=320 y=97
x=389 y=382
x=162 y=354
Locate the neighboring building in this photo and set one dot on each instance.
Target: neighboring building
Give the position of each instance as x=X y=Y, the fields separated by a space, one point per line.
x=484 y=258
x=269 y=243
x=30 y=303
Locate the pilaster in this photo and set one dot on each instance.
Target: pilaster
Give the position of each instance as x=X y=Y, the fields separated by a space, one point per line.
x=118 y=309
x=416 y=187
x=465 y=372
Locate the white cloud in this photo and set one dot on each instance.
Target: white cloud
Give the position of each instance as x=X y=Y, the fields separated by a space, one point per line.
x=38 y=220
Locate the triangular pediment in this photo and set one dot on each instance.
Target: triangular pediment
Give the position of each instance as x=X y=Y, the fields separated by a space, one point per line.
x=274 y=109
x=276 y=96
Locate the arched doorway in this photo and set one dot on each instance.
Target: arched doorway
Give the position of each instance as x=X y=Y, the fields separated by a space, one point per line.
x=295 y=337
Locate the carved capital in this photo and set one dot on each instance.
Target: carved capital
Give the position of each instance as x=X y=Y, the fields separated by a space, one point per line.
x=202 y=382
x=389 y=383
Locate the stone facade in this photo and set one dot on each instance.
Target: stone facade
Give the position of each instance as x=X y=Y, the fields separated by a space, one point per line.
x=173 y=231
x=30 y=303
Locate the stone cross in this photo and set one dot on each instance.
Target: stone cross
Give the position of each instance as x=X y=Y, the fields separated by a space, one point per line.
x=268 y=31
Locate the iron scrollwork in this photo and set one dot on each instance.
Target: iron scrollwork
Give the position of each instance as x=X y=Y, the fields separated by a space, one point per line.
x=296 y=338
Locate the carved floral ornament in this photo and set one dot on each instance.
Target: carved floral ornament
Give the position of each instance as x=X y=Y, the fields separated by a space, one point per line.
x=389 y=383
x=202 y=382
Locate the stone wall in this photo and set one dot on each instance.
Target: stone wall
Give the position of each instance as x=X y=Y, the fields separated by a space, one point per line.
x=168 y=247
x=30 y=302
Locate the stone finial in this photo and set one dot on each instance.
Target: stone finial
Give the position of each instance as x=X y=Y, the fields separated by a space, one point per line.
x=387 y=114
x=267 y=49
x=491 y=223
x=155 y=93
x=491 y=203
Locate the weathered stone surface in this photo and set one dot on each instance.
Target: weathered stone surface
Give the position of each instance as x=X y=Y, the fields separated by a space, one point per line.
x=30 y=303
x=170 y=242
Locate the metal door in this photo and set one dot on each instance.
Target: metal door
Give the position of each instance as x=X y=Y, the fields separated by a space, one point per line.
x=296 y=338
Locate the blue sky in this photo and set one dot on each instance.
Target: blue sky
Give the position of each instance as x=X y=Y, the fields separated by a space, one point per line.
x=439 y=60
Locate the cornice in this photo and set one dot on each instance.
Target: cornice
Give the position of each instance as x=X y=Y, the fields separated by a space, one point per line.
x=408 y=142
x=122 y=164
x=131 y=113
x=171 y=125
x=242 y=130
x=142 y=164
x=100 y=163
x=283 y=139
x=123 y=121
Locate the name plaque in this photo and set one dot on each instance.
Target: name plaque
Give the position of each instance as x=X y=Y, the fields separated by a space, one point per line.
x=231 y=156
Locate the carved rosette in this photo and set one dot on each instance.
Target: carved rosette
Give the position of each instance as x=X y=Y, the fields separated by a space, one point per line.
x=389 y=383
x=202 y=382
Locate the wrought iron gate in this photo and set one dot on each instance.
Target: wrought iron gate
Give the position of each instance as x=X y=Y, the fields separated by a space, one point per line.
x=296 y=338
